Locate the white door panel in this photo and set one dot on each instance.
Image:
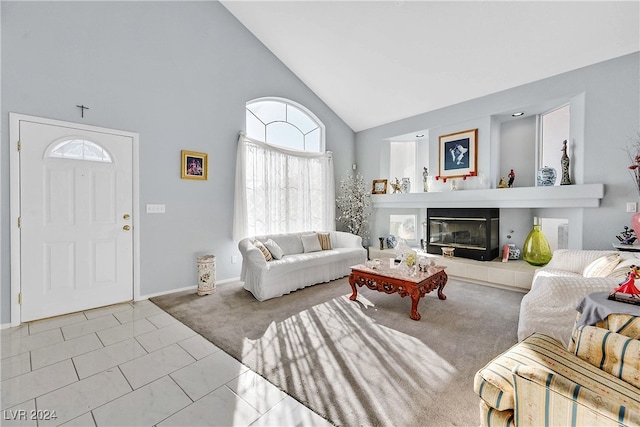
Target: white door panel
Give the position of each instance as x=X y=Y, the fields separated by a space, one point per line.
x=75 y=202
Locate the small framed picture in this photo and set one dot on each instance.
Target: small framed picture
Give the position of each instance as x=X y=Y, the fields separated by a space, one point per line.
x=194 y=165
x=379 y=186
x=458 y=154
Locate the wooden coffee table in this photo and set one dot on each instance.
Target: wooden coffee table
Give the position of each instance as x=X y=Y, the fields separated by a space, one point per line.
x=388 y=278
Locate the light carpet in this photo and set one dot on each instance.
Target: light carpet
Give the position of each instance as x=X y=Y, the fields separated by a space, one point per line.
x=365 y=362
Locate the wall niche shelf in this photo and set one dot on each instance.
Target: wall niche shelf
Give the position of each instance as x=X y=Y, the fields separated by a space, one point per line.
x=564 y=196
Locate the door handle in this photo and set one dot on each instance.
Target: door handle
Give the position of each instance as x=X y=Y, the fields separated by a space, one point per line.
x=126 y=216
x=126 y=228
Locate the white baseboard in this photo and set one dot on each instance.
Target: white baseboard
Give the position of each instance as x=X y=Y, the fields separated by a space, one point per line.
x=157 y=294
x=187 y=288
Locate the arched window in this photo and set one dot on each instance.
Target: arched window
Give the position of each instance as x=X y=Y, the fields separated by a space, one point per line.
x=282 y=122
x=284 y=178
x=79 y=149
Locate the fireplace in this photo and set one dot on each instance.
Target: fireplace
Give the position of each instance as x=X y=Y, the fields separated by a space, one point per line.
x=472 y=232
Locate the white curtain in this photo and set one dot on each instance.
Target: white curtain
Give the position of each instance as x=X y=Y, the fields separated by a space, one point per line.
x=279 y=190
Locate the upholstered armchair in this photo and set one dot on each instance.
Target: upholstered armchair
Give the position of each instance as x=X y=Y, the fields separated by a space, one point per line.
x=540 y=383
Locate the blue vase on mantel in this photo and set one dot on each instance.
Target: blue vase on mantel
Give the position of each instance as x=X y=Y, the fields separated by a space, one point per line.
x=406 y=185
x=546 y=177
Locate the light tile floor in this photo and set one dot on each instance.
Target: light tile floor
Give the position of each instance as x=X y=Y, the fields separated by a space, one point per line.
x=132 y=365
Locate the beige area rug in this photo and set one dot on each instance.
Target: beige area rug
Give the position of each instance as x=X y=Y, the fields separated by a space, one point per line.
x=362 y=363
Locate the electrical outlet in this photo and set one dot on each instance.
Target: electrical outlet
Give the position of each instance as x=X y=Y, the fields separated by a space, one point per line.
x=632 y=207
x=234 y=259
x=159 y=209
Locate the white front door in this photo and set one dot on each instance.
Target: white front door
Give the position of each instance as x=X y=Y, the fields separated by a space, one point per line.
x=76 y=201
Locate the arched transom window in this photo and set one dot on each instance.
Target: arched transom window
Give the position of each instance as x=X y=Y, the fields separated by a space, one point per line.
x=79 y=149
x=282 y=122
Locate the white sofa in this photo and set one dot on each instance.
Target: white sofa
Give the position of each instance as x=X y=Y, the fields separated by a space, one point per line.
x=549 y=307
x=297 y=269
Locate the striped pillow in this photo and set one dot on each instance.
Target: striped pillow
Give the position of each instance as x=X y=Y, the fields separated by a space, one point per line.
x=611 y=352
x=623 y=324
x=267 y=255
x=325 y=241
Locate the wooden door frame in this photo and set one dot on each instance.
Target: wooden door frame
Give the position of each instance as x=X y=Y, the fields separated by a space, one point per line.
x=14 y=201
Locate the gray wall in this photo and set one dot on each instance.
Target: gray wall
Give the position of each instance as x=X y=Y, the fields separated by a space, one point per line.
x=179 y=74
x=605 y=106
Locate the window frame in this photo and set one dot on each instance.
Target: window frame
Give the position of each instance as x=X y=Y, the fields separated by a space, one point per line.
x=57 y=150
x=287 y=103
x=540 y=146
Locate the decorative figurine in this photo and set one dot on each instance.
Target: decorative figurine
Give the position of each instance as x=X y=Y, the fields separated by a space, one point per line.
x=512 y=177
x=397 y=187
x=502 y=183
x=627 y=237
x=565 y=165
x=425 y=179
x=381 y=242
x=629 y=285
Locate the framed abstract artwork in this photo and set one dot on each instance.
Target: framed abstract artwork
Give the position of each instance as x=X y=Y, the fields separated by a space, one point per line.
x=194 y=165
x=458 y=154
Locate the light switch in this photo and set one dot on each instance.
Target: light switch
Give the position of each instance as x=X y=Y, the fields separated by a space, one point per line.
x=632 y=207
x=159 y=209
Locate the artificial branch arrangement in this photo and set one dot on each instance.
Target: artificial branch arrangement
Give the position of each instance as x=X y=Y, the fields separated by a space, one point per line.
x=354 y=204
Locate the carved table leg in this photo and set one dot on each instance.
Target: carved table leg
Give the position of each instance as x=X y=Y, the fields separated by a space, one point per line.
x=414 y=306
x=443 y=282
x=352 y=282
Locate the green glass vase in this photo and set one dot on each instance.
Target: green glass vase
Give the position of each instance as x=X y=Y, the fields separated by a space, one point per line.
x=536 y=250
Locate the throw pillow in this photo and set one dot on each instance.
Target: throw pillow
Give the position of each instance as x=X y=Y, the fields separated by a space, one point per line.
x=325 y=241
x=602 y=266
x=622 y=270
x=310 y=242
x=613 y=353
x=274 y=248
x=267 y=255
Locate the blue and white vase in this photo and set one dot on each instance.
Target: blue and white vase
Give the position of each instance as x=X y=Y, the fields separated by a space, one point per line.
x=406 y=185
x=546 y=177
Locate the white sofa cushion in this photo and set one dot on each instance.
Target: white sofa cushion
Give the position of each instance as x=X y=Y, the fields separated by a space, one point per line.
x=574 y=260
x=290 y=243
x=274 y=248
x=311 y=243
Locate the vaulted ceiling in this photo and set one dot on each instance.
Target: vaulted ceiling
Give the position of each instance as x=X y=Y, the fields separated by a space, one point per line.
x=374 y=62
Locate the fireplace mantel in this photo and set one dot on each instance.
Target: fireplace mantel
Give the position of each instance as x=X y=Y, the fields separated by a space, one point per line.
x=564 y=196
